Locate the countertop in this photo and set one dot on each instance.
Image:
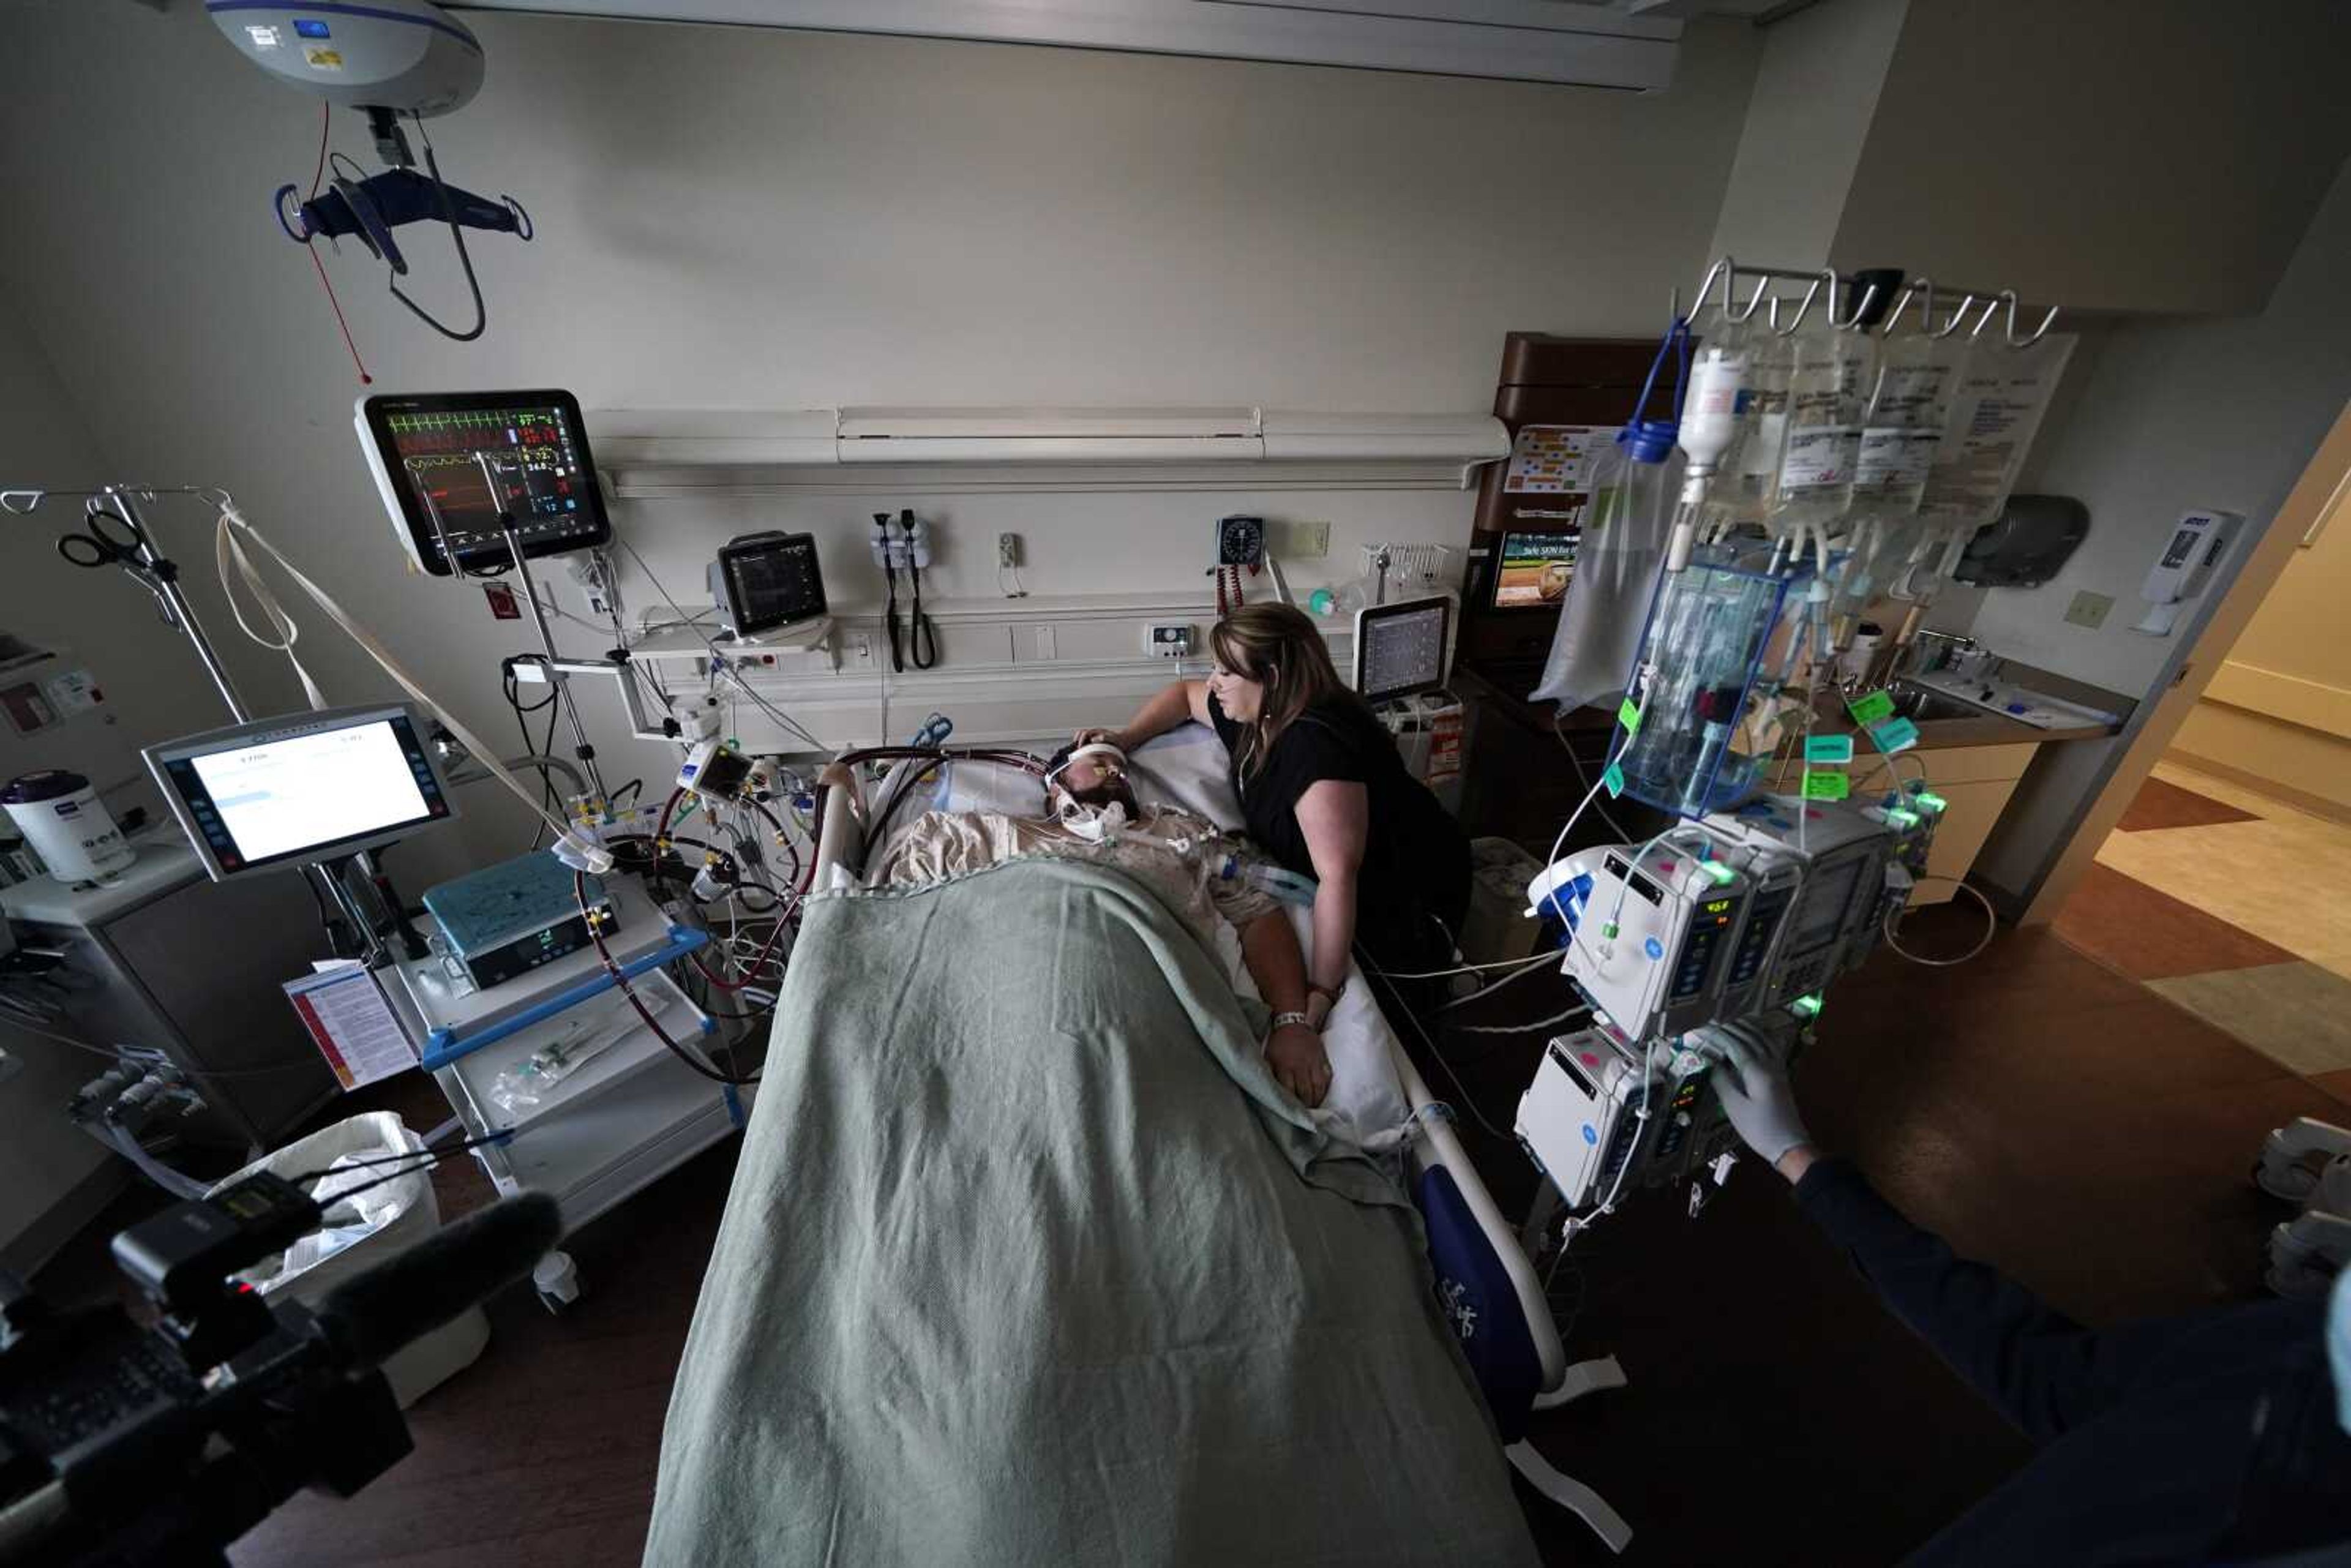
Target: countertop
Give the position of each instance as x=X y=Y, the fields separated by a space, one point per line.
x=1984 y=729
x=165 y=864
x=1934 y=734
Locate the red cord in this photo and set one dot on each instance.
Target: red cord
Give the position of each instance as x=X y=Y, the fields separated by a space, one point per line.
x=337 y=306
x=318 y=177
x=596 y=935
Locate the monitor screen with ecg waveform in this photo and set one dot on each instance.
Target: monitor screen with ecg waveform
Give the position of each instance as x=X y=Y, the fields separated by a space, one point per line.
x=453 y=464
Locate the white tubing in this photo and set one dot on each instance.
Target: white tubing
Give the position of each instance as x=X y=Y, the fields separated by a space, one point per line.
x=229 y=552
x=574 y=850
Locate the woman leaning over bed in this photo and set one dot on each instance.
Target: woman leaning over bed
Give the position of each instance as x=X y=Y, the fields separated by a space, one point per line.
x=1323 y=790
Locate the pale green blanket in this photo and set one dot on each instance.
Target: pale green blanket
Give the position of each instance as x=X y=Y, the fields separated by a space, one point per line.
x=1029 y=1260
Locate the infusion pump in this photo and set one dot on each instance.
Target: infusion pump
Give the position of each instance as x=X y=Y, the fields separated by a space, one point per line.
x=1742 y=915
x=1733 y=915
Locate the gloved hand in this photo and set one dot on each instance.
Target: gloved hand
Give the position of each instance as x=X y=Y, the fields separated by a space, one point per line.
x=1752 y=1084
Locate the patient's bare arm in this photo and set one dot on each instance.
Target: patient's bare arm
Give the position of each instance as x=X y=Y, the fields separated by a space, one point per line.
x=1294 y=1051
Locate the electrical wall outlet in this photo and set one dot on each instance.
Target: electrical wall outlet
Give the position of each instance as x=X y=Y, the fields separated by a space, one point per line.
x=1008 y=549
x=1296 y=540
x=2089 y=609
x=1048 y=644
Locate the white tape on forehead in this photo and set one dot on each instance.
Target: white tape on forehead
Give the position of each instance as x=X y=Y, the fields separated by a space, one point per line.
x=1093 y=749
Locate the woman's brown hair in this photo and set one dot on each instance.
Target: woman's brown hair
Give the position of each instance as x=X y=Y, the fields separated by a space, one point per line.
x=1280 y=646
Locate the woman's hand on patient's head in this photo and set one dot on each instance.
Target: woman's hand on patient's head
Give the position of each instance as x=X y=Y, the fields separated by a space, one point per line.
x=1095 y=735
x=1300 y=1064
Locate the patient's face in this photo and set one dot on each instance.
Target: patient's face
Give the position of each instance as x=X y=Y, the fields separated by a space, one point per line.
x=1097 y=781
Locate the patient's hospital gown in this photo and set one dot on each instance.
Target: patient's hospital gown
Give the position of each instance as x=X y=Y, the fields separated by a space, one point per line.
x=1188 y=862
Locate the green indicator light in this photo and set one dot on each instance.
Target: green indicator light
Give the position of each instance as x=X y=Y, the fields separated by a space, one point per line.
x=1722 y=874
x=1901 y=818
x=1929 y=799
x=1806 y=1007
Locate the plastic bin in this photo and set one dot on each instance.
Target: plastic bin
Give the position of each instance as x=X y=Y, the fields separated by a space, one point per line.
x=1497 y=928
x=398 y=1214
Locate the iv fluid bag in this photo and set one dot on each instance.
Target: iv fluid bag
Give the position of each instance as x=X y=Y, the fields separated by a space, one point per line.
x=1901 y=426
x=1741 y=491
x=1725 y=636
x=1997 y=402
x=1828 y=389
x=1617 y=562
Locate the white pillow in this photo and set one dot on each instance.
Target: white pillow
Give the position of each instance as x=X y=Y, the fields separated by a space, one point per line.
x=1186 y=767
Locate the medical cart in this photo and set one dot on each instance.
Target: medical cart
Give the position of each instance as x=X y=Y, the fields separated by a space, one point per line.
x=625 y=1117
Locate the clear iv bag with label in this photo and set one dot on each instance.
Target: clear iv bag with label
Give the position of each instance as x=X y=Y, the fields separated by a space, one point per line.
x=1618 y=559
x=1741 y=491
x=1902 y=421
x=1828 y=389
x=1996 y=403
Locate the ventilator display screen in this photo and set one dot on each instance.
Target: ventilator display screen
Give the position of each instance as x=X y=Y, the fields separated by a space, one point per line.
x=301 y=789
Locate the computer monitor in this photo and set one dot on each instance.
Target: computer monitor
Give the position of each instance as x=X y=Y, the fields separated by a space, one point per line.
x=1532 y=570
x=422 y=449
x=761 y=581
x=1400 y=647
x=307 y=787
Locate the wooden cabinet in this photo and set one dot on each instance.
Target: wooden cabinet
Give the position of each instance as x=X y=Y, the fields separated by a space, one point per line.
x=1976 y=781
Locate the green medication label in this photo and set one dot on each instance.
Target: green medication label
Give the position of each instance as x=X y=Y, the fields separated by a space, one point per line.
x=1893 y=735
x=1629 y=714
x=1828 y=748
x=1827 y=785
x=1871 y=709
x=1613 y=780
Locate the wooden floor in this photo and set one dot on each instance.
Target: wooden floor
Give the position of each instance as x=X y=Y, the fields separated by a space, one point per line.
x=2039 y=1108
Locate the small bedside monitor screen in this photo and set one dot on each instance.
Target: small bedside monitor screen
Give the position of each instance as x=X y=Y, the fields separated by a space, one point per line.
x=1401 y=649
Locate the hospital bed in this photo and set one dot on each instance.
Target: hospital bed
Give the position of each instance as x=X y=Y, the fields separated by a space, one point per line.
x=736 y=1417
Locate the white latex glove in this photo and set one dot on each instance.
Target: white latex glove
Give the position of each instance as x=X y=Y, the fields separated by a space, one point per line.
x=1752 y=1084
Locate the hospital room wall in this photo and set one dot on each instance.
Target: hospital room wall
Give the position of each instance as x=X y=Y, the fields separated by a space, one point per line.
x=752 y=218
x=44 y=1159
x=2169 y=416
x=2166 y=416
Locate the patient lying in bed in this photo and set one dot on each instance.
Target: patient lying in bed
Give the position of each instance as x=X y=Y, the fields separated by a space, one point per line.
x=1186 y=862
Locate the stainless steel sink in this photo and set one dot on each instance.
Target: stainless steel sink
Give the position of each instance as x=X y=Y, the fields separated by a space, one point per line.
x=1922 y=705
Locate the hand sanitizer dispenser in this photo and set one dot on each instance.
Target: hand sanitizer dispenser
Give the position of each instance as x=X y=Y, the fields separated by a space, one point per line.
x=2185 y=568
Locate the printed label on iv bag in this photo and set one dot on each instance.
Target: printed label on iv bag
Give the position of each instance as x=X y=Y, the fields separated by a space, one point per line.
x=1758 y=453
x=1895 y=458
x=1818 y=457
x=1995 y=413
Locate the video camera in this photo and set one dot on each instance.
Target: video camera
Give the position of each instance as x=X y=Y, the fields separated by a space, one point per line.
x=126 y=1445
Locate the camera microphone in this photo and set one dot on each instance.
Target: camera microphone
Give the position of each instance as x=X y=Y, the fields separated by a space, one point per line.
x=371 y=1316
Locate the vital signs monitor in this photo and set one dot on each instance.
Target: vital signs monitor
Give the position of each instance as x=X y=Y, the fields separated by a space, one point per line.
x=307 y=787
x=1400 y=647
x=428 y=452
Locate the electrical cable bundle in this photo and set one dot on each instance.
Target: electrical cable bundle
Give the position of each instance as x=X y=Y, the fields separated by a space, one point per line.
x=748 y=966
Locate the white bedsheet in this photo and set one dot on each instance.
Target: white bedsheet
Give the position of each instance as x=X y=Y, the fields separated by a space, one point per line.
x=1186 y=767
